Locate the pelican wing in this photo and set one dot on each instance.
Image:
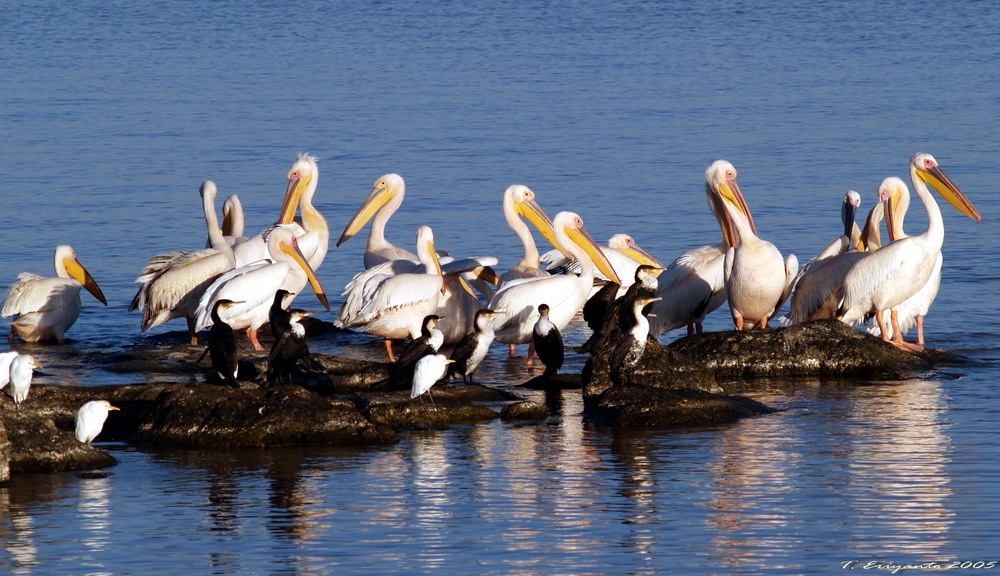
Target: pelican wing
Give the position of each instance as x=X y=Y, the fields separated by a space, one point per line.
x=34 y=293
x=400 y=291
x=517 y=302
x=250 y=286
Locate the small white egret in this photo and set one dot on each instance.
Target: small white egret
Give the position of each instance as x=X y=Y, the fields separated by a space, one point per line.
x=90 y=419
x=21 y=370
x=427 y=372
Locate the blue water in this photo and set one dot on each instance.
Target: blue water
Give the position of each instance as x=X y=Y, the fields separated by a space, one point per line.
x=112 y=113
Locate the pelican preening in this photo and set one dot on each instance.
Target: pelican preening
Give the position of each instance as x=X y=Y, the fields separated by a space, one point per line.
x=252 y=286
x=757 y=278
x=624 y=254
x=44 y=308
x=693 y=285
x=896 y=272
x=517 y=301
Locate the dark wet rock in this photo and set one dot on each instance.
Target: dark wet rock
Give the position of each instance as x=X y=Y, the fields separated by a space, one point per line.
x=711 y=361
x=445 y=405
x=36 y=444
x=524 y=410
x=4 y=454
x=649 y=406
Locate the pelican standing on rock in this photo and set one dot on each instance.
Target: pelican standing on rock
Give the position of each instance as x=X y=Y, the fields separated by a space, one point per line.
x=694 y=284
x=172 y=284
x=757 y=279
x=252 y=287
x=517 y=301
x=394 y=306
x=90 y=419
x=45 y=308
x=896 y=272
x=386 y=197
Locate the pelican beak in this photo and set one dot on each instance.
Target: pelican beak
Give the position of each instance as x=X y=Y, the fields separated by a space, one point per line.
x=293 y=251
x=731 y=193
x=641 y=256
x=891 y=205
x=110 y=407
x=936 y=178
x=227 y=222
x=729 y=234
x=381 y=194
x=488 y=274
x=292 y=196
x=466 y=287
x=848 y=213
x=80 y=274
x=437 y=265
x=581 y=238
x=532 y=212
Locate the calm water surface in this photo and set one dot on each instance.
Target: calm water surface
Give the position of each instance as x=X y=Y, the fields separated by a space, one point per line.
x=112 y=113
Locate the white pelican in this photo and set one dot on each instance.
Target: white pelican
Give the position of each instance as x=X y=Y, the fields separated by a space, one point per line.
x=386 y=197
x=22 y=368
x=90 y=419
x=757 y=278
x=394 y=305
x=897 y=271
x=519 y=201
x=693 y=285
x=517 y=301
x=44 y=308
x=252 y=286
x=624 y=254
x=172 y=284
x=303 y=177
x=818 y=287
x=233 y=222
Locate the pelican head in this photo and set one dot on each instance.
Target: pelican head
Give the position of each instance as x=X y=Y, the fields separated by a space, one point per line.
x=721 y=187
x=895 y=197
x=521 y=200
x=67 y=266
x=303 y=175
x=570 y=224
x=627 y=244
x=426 y=252
x=926 y=168
x=385 y=189
x=849 y=211
x=284 y=241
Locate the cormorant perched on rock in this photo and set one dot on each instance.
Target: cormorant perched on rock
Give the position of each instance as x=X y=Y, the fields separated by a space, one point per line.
x=427 y=372
x=631 y=345
x=472 y=348
x=430 y=341
x=222 y=346
x=548 y=342
x=289 y=348
x=597 y=306
x=279 y=319
x=619 y=318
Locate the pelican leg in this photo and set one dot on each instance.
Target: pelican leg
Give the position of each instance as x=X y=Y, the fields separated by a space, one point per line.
x=531 y=352
x=897 y=334
x=512 y=350
x=191 y=332
x=738 y=322
x=920 y=330
x=10 y=337
x=762 y=323
x=881 y=325
x=388 y=349
x=252 y=336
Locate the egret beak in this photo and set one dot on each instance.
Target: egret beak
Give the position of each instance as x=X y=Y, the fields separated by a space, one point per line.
x=110 y=407
x=379 y=197
x=532 y=212
x=293 y=251
x=581 y=238
x=936 y=178
x=80 y=274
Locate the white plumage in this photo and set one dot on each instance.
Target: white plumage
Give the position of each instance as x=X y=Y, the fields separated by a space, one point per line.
x=44 y=308
x=429 y=370
x=22 y=368
x=90 y=419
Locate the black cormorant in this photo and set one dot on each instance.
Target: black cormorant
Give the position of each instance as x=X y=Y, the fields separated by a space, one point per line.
x=472 y=348
x=631 y=344
x=222 y=346
x=548 y=342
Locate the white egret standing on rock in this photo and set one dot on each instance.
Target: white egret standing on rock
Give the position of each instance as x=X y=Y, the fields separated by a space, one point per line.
x=22 y=368
x=90 y=419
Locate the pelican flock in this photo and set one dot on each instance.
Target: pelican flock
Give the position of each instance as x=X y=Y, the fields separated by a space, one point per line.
x=241 y=281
